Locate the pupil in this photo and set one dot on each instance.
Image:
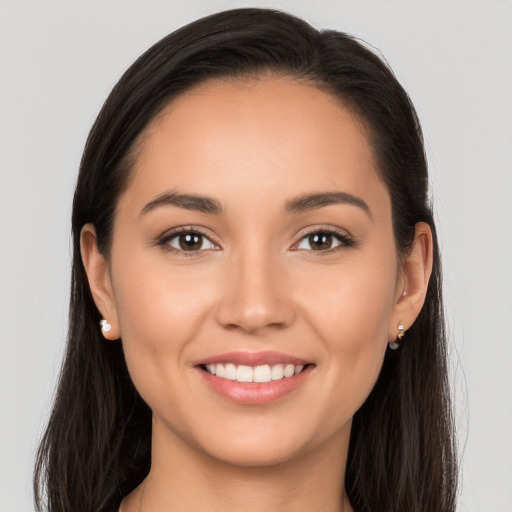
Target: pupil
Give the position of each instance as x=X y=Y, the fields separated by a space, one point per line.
x=320 y=241
x=190 y=241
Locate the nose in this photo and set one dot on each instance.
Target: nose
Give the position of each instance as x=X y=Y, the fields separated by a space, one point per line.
x=255 y=294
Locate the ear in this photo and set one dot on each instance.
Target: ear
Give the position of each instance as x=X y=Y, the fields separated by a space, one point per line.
x=100 y=283
x=415 y=275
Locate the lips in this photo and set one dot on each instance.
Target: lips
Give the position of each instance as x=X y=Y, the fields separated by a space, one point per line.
x=253 y=359
x=254 y=378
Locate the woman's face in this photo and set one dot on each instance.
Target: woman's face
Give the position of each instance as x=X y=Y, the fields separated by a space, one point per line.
x=256 y=232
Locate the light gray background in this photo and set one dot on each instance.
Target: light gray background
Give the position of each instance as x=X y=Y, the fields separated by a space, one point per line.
x=59 y=60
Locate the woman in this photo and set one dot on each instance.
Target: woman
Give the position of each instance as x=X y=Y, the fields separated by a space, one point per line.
x=256 y=313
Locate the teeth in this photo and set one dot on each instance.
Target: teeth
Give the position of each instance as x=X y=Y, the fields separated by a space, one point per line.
x=264 y=373
x=289 y=370
x=277 y=372
x=230 y=372
x=244 y=374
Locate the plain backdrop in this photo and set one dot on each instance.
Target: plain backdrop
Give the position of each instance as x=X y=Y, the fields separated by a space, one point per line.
x=58 y=62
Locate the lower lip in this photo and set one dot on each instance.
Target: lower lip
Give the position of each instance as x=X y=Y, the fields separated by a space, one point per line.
x=255 y=393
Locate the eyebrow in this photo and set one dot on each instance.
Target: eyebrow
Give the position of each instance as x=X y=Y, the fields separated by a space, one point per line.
x=187 y=201
x=314 y=201
x=299 y=204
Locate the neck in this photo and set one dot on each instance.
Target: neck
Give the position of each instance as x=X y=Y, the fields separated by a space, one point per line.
x=184 y=479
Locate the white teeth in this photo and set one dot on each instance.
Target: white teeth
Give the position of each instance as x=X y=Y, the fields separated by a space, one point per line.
x=219 y=370
x=244 y=374
x=230 y=372
x=289 y=370
x=263 y=373
x=277 y=372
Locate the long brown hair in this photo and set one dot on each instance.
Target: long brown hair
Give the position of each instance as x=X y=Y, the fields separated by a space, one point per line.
x=97 y=445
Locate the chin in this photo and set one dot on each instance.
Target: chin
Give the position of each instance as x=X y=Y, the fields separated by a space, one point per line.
x=264 y=445
x=250 y=456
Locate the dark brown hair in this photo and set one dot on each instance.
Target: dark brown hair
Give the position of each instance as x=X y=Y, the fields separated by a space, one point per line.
x=97 y=444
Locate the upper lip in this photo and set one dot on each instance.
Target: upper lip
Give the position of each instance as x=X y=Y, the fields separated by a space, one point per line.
x=253 y=359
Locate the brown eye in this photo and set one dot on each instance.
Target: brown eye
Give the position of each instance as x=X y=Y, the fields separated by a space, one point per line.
x=190 y=241
x=322 y=241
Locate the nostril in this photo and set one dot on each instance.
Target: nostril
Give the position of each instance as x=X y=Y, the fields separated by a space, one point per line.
x=254 y=295
x=250 y=318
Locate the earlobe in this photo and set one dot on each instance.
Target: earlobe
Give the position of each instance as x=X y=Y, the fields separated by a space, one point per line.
x=416 y=271
x=98 y=275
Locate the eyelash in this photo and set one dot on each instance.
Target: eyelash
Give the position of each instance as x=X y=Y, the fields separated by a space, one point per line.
x=346 y=241
x=164 y=240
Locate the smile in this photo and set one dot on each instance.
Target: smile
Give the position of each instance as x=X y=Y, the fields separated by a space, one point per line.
x=254 y=378
x=262 y=373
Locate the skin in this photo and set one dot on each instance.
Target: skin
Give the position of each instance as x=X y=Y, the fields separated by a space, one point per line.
x=255 y=285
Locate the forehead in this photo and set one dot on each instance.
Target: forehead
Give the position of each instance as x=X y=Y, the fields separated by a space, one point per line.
x=253 y=138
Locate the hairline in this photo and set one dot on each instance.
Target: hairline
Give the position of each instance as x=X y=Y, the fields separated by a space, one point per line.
x=136 y=149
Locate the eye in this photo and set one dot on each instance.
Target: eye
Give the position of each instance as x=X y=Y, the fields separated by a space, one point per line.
x=323 y=241
x=189 y=241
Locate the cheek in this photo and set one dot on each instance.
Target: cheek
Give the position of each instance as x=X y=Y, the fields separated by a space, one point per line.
x=160 y=309
x=351 y=304
x=155 y=294
x=349 y=309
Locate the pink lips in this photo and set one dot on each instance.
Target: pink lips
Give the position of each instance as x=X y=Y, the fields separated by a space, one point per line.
x=253 y=359
x=254 y=393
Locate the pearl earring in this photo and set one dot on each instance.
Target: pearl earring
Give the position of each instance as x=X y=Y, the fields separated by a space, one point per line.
x=105 y=326
x=393 y=345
